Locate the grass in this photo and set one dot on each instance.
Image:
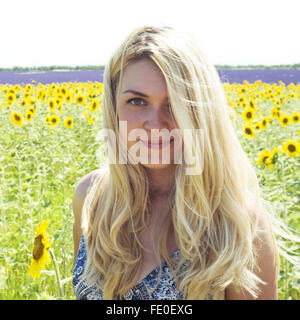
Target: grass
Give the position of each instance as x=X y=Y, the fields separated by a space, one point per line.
x=40 y=166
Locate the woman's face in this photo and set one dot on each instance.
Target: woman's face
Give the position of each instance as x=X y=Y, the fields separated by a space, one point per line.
x=143 y=104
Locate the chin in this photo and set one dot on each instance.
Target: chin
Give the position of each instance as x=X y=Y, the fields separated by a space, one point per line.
x=156 y=166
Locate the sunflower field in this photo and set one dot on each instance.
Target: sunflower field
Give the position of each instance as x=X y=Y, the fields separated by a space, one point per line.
x=48 y=142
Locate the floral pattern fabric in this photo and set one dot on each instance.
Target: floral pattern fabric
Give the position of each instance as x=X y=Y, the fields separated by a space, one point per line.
x=143 y=290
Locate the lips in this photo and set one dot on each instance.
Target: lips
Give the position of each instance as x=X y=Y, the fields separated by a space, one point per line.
x=161 y=143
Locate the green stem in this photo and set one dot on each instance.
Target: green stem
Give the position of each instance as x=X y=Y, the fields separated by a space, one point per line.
x=57 y=274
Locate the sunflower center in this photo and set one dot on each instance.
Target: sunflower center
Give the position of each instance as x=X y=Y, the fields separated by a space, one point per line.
x=249 y=115
x=291 y=148
x=17 y=117
x=248 y=131
x=285 y=120
x=265 y=159
x=38 y=247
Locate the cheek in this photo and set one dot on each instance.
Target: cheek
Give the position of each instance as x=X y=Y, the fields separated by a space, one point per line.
x=123 y=113
x=133 y=121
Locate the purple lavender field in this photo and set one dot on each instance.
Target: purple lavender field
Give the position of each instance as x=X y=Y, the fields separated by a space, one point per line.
x=227 y=75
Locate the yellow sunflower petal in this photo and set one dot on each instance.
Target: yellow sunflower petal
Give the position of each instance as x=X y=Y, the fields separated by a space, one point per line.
x=40 y=254
x=42 y=228
x=34 y=270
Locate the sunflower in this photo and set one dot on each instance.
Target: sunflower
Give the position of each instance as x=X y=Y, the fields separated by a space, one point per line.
x=13 y=89
x=292 y=148
x=53 y=120
x=295 y=117
x=59 y=99
x=28 y=87
x=94 y=105
x=249 y=131
x=91 y=94
x=68 y=98
x=32 y=110
x=16 y=119
x=40 y=254
x=51 y=104
x=275 y=112
x=47 y=118
x=241 y=99
x=284 y=120
x=266 y=159
x=252 y=104
x=10 y=97
x=248 y=114
x=80 y=99
x=291 y=95
x=60 y=108
x=68 y=122
x=100 y=87
x=258 y=126
x=31 y=101
x=28 y=116
x=90 y=120
x=52 y=86
x=63 y=90
x=41 y=94
x=264 y=122
x=277 y=102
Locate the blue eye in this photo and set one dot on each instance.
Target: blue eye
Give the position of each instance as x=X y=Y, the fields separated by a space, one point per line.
x=136 y=102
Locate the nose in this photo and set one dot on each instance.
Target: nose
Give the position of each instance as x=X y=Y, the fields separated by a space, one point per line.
x=157 y=118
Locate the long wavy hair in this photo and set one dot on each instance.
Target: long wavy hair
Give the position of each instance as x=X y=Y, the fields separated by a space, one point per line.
x=210 y=213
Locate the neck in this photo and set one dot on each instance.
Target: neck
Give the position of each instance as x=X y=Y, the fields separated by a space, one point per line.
x=161 y=181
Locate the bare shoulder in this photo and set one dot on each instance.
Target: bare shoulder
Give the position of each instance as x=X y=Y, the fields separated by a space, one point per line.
x=259 y=214
x=80 y=193
x=81 y=189
x=265 y=246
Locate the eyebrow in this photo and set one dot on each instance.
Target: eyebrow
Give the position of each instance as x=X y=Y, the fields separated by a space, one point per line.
x=136 y=92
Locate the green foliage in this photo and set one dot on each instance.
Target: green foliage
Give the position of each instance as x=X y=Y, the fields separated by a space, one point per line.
x=39 y=169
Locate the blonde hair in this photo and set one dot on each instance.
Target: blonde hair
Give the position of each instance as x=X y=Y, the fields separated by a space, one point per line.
x=209 y=211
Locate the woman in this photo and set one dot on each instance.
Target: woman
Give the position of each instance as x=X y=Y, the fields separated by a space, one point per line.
x=151 y=229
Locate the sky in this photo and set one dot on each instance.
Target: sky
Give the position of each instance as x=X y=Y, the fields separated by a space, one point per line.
x=86 y=32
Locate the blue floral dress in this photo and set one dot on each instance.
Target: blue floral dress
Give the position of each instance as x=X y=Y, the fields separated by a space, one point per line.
x=143 y=290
